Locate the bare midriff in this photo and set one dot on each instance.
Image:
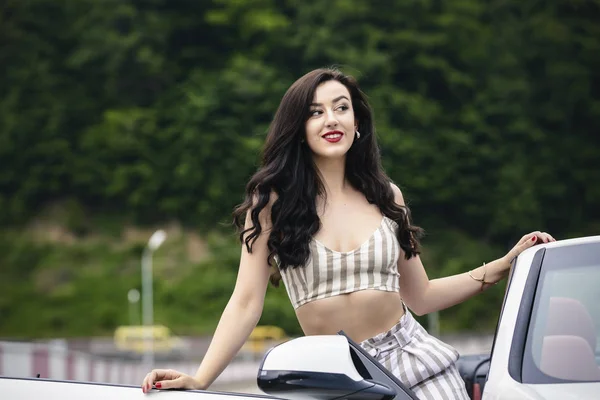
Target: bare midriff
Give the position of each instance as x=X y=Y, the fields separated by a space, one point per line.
x=361 y=315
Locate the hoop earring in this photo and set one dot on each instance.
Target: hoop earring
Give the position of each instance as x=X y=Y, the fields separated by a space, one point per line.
x=357 y=134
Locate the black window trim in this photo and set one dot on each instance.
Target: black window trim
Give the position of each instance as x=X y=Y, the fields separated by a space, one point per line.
x=517 y=347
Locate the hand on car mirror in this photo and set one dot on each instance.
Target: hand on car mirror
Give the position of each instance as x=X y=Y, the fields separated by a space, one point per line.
x=168 y=379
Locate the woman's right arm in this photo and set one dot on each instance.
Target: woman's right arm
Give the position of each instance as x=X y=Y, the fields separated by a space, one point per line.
x=237 y=321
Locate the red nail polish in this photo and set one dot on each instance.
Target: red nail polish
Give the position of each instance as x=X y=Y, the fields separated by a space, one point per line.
x=534 y=238
x=158 y=385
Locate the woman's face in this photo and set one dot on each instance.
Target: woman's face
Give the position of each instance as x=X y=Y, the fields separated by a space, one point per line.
x=330 y=128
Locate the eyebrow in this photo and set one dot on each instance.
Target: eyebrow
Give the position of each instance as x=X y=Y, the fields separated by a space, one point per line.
x=334 y=100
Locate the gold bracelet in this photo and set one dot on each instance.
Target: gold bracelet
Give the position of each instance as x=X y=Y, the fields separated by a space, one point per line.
x=482 y=279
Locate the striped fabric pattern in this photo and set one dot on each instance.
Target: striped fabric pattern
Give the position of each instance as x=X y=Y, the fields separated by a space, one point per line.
x=373 y=265
x=419 y=360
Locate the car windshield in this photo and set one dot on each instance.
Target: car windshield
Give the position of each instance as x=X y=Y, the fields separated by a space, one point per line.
x=562 y=340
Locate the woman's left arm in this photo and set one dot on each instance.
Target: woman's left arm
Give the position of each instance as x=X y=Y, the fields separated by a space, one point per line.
x=424 y=296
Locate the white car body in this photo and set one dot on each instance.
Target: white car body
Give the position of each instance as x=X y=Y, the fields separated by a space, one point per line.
x=24 y=389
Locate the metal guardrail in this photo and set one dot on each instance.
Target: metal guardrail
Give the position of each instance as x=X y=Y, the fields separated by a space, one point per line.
x=21 y=359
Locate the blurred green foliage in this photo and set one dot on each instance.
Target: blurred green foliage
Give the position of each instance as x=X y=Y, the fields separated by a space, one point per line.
x=81 y=289
x=157 y=110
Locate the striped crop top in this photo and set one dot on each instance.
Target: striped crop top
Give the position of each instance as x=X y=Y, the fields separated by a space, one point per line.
x=373 y=265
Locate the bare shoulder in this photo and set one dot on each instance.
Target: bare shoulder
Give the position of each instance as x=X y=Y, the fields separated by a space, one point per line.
x=273 y=196
x=398 y=198
x=265 y=212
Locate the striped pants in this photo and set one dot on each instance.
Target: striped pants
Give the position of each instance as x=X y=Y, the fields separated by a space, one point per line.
x=419 y=360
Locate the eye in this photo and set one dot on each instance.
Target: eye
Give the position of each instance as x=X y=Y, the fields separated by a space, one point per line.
x=343 y=107
x=314 y=113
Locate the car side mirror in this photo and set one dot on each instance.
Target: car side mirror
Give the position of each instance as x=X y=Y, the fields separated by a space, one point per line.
x=317 y=367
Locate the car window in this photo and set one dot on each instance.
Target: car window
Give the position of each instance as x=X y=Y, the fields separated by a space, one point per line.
x=563 y=335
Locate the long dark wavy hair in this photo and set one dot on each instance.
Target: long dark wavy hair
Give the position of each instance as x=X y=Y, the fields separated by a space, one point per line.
x=288 y=170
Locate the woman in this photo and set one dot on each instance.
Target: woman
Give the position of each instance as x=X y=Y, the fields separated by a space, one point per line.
x=322 y=211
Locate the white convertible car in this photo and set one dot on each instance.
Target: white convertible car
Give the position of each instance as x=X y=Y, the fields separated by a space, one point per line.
x=545 y=348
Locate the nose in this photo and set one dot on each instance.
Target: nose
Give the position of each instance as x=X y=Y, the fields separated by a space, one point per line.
x=331 y=121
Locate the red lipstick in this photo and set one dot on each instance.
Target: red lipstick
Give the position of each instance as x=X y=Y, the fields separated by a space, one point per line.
x=333 y=136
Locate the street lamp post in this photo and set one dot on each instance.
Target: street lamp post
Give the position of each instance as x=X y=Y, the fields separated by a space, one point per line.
x=154 y=243
x=433 y=320
x=133 y=296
